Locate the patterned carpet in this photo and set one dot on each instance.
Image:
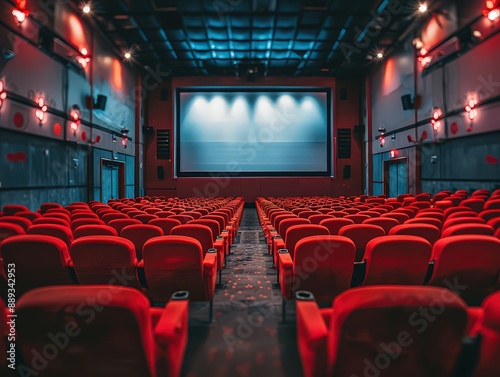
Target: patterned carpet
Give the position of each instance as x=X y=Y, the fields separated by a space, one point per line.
x=247 y=337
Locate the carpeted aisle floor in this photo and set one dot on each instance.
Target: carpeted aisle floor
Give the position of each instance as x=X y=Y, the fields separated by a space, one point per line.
x=247 y=337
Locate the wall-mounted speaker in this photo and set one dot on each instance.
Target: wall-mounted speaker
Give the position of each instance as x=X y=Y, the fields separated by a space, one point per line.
x=407 y=102
x=148 y=130
x=100 y=103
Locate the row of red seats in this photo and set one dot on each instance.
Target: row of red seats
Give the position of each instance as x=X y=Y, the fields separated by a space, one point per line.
x=337 y=254
x=188 y=258
x=395 y=331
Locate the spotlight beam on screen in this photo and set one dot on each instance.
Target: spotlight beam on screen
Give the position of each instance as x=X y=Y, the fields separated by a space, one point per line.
x=253 y=132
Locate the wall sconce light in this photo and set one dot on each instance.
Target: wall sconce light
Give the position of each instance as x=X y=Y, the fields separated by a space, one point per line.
x=417 y=42
x=113 y=138
x=492 y=12
x=124 y=142
x=20 y=15
x=75 y=118
x=381 y=139
x=394 y=153
x=393 y=137
x=423 y=58
x=84 y=59
x=3 y=93
x=471 y=112
x=436 y=123
x=40 y=113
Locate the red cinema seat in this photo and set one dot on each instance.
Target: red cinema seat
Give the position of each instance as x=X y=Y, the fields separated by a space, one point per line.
x=59 y=215
x=40 y=260
x=489 y=214
x=59 y=231
x=462 y=220
x=316 y=219
x=184 y=219
x=335 y=224
x=400 y=216
x=110 y=216
x=21 y=221
x=12 y=209
x=166 y=224
x=203 y=234
x=79 y=222
x=381 y=325
x=468 y=228
x=173 y=263
x=145 y=218
x=470 y=263
x=425 y=220
x=361 y=234
x=488 y=328
x=44 y=207
x=321 y=264
x=29 y=215
x=293 y=235
x=429 y=232
x=51 y=220
x=105 y=260
x=475 y=204
x=139 y=234
x=87 y=214
x=10 y=229
x=397 y=259
x=102 y=331
x=492 y=204
x=119 y=224
x=384 y=222
x=357 y=218
x=94 y=230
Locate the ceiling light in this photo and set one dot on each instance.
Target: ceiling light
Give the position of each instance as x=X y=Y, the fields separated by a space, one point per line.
x=493 y=14
x=86 y=8
x=380 y=55
x=422 y=7
x=417 y=42
x=127 y=55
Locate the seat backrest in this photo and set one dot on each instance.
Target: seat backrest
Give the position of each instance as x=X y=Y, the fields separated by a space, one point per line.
x=367 y=323
x=472 y=261
x=139 y=234
x=12 y=209
x=306 y=214
x=21 y=221
x=44 y=207
x=59 y=215
x=361 y=234
x=489 y=214
x=28 y=215
x=316 y=219
x=282 y=216
x=476 y=204
x=59 y=231
x=95 y=230
x=104 y=260
x=119 y=224
x=400 y=216
x=184 y=219
x=76 y=317
x=39 y=259
x=166 y=224
x=79 y=222
x=468 y=228
x=335 y=224
x=297 y=232
x=425 y=220
x=462 y=220
x=202 y=233
x=489 y=329
x=173 y=263
x=323 y=265
x=212 y=224
x=109 y=216
x=492 y=204
x=287 y=223
x=429 y=232
x=145 y=218
x=357 y=218
x=397 y=259
x=384 y=222
x=10 y=229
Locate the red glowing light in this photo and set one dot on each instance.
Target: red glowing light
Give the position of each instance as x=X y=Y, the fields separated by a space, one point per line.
x=493 y=14
x=394 y=153
x=470 y=108
x=20 y=15
x=124 y=143
x=382 y=141
x=84 y=51
x=74 y=126
x=3 y=94
x=40 y=113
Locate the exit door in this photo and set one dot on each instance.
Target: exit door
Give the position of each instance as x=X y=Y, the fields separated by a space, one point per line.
x=396 y=177
x=112 y=180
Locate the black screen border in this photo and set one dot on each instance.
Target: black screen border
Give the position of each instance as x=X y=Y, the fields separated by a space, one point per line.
x=219 y=89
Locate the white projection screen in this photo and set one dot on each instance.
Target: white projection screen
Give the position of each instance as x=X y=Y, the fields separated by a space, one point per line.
x=253 y=132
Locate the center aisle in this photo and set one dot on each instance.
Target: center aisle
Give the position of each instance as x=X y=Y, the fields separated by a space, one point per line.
x=247 y=337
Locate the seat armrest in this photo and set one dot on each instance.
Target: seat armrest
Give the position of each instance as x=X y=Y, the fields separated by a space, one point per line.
x=312 y=334
x=171 y=333
x=210 y=272
x=286 y=274
x=278 y=243
x=219 y=245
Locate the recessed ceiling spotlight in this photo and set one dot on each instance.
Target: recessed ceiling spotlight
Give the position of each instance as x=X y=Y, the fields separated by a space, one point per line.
x=127 y=55
x=86 y=8
x=380 y=55
x=422 y=7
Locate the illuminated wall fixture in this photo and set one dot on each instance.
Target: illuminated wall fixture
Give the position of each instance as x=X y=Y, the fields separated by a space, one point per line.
x=124 y=142
x=423 y=58
x=84 y=58
x=471 y=112
x=74 y=116
x=422 y=7
x=113 y=138
x=492 y=12
x=20 y=14
x=381 y=139
x=394 y=153
x=417 y=42
x=86 y=8
x=3 y=93
x=40 y=113
x=436 y=123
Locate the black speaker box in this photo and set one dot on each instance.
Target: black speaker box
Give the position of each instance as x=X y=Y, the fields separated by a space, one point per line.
x=346 y=174
x=160 y=173
x=100 y=104
x=407 y=102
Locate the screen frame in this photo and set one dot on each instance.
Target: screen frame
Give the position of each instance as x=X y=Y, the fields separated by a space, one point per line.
x=221 y=89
